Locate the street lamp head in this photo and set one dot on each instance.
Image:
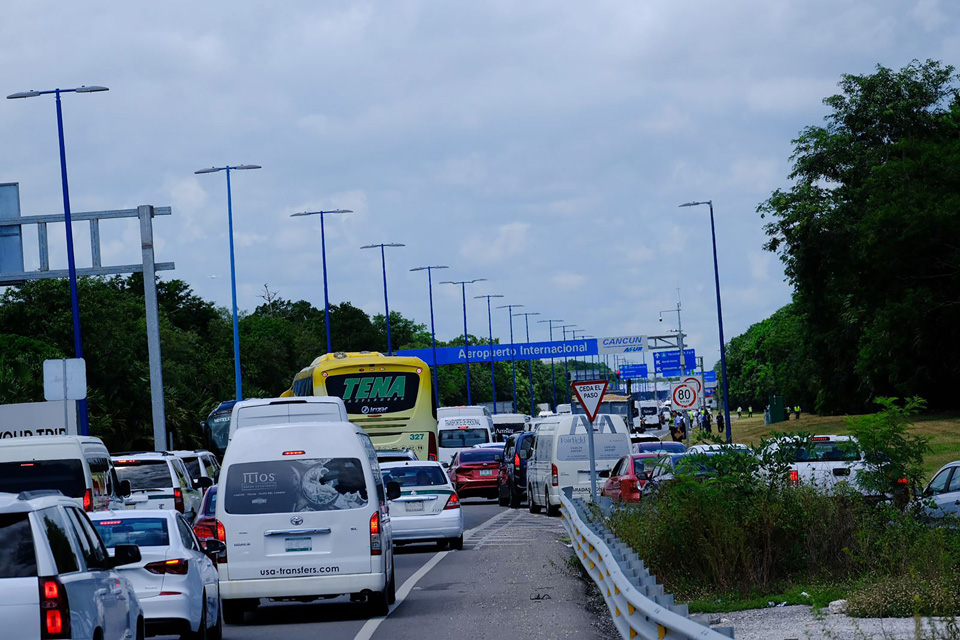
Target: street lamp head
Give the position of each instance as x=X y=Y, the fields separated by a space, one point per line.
x=509 y=306
x=90 y=89
x=383 y=244
x=693 y=204
x=314 y=213
x=492 y=295
x=210 y=170
x=243 y=167
x=439 y=266
x=551 y=321
x=527 y=313
x=24 y=94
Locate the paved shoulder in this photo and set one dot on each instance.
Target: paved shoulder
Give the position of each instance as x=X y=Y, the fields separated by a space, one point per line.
x=511 y=580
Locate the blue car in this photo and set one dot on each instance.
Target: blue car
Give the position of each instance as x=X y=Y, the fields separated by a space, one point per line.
x=671 y=447
x=512 y=479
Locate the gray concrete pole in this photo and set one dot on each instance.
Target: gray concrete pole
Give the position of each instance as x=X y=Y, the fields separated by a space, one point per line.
x=145 y=213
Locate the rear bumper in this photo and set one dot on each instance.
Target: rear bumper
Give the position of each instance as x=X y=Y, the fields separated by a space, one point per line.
x=477 y=486
x=168 y=608
x=444 y=525
x=303 y=586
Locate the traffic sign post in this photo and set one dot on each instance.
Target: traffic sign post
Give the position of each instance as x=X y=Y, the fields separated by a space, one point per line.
x=590 y=394
x=685 y=395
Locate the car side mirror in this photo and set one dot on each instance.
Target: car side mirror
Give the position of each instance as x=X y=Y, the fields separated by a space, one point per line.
x=124 y=554
x=445 y=465
x=213 y=549
x=393 y=490
x=203 y=482
x=604 y=473
x=125 y=489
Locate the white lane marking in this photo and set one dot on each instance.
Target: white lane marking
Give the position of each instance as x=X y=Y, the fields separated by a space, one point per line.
x=367 y=630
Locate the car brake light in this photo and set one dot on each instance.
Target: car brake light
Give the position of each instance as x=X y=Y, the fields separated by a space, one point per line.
x=88 y=500
x=555 y=476
x=516 y=460
x=54 y=609
x=178 y=499
x=204 y=530
x=177 y=567
x=432 y=446
x=109 y=522
x=820 y=438
x=794 y=476
x=453 y=502
x=375 y=546
x=298 y=452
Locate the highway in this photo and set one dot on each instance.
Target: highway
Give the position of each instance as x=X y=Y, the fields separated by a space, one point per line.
x=510 y=580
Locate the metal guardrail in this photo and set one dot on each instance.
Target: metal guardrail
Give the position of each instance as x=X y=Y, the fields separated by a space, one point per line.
x=638 y=605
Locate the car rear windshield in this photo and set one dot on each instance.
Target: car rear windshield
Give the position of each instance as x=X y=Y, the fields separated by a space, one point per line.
x=479 y=455
x=209 y=506
x=65 y=476
x=648 y=411
x=843 y=451
x=460 y=438
x=288 y=486
x=415 y=476
x=145 y=474
x=144 y=532
x=17 y=556
x=193 y=466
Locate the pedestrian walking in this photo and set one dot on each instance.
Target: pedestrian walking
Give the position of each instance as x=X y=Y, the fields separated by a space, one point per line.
x=720 y=427
x=750 y=411
x=796 y=409
x=739 y=412
x=676 y=429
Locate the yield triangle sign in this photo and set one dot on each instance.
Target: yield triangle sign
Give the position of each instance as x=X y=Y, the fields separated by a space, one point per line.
x=590 y=394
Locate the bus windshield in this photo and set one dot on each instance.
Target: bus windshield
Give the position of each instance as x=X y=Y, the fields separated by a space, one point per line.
x=219 y=433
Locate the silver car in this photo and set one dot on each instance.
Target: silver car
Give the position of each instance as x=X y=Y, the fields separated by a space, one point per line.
x=428 y=509
x=943 y=492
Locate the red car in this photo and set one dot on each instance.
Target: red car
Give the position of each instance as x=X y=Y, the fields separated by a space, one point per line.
x=629 y=474
x=205 y=524
x=474 y=472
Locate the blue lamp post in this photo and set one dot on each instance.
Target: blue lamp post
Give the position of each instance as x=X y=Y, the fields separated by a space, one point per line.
x=526 y=322
x=513 y=362
x=466 y=341
x=386 y=303
x=723 y=350
x=553 y=373
x=68 y=223
x=493 y=374
x=323 y=255
x=566 y=375
x=574 y=336
x=433 y=333
x=233 y=269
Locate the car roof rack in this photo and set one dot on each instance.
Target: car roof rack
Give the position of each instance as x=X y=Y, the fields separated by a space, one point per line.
x=38 y=493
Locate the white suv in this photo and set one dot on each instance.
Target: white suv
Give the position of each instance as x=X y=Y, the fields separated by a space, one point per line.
x=56 y=578
x=160 y=480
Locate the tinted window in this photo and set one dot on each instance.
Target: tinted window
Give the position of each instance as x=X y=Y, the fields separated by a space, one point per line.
x=287 y=486
x=939 y=483
x=220 y=430
x=186 y=535
x=459 y=438
x=65 y=476
x=145 y=474
x=828 y=452
x=193 y=467
x=479 y=455
x=954 y=482
x=17 y=556
x=410 y=476
x=648 y=411
x=55 y=528
x=375 y=392
x=525 y=445
x=144 y=532
x=209 y=506
x=640 y=470
x=90 y=546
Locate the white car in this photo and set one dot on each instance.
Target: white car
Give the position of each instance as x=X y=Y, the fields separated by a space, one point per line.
x=160 y=480
x=176 y=583
x=428 y=509
x=826 y=461
x=200 y=463
x=56 y=578
x=943 y=492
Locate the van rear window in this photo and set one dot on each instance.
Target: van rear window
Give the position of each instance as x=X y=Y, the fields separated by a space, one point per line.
x=460 y=438
x=145 y=474
x=17 y=556
x=840 y=451
x=65 y=476
x=144 y=532
x=289 y=486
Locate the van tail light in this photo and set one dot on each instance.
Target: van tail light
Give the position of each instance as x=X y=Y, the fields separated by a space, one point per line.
x=177 y=567
x=794 y=477
x=88 y=500
x=222 y=537
x=432 y=450
x=54 y=609
x=516 y=460
x=376 y=547
x=453 y=502
x=178 y=499
x=554 y=476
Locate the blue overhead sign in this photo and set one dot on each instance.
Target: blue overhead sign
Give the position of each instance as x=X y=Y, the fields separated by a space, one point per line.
x=506 y=352
x=664 y=361
x=709 y=376
x=633 y=372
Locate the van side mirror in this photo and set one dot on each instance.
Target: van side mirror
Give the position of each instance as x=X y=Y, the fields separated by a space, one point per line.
x=124 y=554
x=125 y=489
x=393 y=490
x=203 y=482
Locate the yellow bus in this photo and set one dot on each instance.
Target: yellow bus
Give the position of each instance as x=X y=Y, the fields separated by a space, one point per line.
x=389 y=397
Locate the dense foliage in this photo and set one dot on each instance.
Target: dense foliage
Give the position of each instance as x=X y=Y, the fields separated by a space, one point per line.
x=869 y=234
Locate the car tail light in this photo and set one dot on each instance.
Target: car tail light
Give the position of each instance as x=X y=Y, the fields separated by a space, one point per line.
x=88 y=500
x=375 y=546
x=628 y=485
x=794 y=477
x=177 y=567
x=178 y=499
x=54 y=609
x=222 y=537
x=205 y=530
x=554 y=475
x=453 y=502
x=432 y=446
x=516 y=460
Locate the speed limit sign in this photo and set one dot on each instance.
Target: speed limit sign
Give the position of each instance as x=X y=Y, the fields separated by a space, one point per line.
x=684 y=395
x=694 y=381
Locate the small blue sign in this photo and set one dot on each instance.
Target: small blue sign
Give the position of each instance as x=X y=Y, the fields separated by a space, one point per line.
x=709 y=376
x=634 y=372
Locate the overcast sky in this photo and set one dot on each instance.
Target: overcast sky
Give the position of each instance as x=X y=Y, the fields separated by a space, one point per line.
x=543 y=144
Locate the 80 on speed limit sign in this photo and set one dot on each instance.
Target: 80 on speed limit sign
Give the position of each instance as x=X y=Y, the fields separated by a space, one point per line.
x=684 y=395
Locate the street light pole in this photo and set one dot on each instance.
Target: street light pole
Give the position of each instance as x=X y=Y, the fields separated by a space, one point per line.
x=526 y=322
x=723 y=350
x=233 y=270
x=323 y=255
x=513 y=361
x=566 y=361
x=433 y=333
x=553 y=373
x=683 y=360
x=466 y=341
x=386 y=302
x=84 y=426
x=493 y=374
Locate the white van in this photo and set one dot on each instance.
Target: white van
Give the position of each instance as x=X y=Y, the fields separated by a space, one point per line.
x=560 y=456
x=649 y=414
x=506 y=423
x=77 y=466
x=460 y=432
x=263 y=411
x=302 y=510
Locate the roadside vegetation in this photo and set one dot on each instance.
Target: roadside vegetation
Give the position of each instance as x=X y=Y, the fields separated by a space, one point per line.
x=745 y=536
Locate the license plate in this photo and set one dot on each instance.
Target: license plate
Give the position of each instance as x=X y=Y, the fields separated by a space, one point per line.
x=414 y=506
x=486 y=472
x=298 y=544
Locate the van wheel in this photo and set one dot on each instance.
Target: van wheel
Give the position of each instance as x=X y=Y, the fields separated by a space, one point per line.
x=503 y=500
x=514 y=499
x=233 y=611
x=531 y=503
x=392 y=590
x=379 y=603
x=552 y=511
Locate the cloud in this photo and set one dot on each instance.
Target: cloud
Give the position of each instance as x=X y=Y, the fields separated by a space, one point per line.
x=568 y=281
x=510 y=242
